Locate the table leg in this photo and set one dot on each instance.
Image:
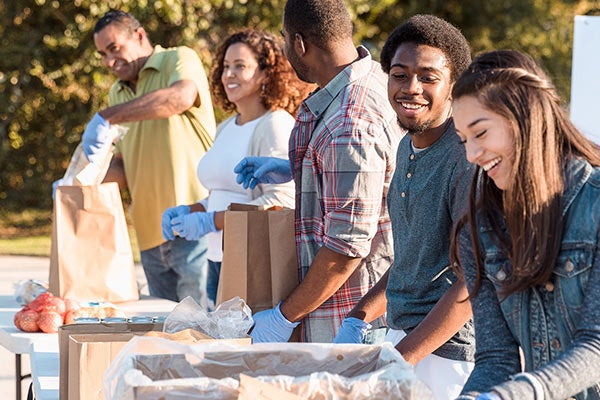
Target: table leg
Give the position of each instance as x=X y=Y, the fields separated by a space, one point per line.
x=18 y=376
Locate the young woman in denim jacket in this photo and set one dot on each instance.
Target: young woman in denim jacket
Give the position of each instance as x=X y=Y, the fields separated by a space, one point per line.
x=528 y=246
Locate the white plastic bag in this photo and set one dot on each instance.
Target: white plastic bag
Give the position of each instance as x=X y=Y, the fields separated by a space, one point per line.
x=28 y=290
x=309 y=370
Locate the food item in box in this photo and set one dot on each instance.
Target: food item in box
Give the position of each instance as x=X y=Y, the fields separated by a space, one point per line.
x=100 y=312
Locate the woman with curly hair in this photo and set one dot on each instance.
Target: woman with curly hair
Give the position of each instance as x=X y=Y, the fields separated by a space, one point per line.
x=529 y=249
x=251 y=77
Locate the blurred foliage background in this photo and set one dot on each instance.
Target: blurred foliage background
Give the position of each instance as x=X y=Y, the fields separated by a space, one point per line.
x=52 y=81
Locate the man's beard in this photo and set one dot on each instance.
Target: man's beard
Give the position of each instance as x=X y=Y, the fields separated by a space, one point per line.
x=417 y=129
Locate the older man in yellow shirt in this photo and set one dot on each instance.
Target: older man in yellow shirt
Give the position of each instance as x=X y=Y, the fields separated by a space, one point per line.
x=162 y=96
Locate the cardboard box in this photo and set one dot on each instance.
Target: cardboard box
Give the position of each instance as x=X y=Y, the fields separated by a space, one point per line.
x=90 y=349
x=150 y=370
x=89 y=357
x=120 y=332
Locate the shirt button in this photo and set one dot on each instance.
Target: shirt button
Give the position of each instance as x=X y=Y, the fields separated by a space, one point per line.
x=569 y=267
x=403 y=194
x=549 y=286
x=556 y=343
x=501 y=275
x=409 y=175
x=412 y=157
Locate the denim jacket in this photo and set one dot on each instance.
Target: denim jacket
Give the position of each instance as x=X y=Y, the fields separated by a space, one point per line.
x=557 y=325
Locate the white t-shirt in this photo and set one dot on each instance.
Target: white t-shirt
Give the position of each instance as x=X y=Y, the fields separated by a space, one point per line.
x=215 y=172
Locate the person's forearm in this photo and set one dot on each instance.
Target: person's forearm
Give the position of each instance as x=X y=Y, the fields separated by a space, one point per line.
x=161 y=103
x=116 y=173
x=220 y=220
x=327 y=273
x=445 y=319
x=197 y=207
x=373 y=304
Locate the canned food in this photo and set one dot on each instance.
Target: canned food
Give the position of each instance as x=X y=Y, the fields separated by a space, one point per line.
x=114 y=320
x=87 y=320
x=140 y=319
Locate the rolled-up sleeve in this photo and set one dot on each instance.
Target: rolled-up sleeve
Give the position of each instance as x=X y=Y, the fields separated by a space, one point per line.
x=354 y=171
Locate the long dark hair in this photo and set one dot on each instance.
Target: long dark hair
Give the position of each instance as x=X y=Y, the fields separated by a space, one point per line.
x=513 y=86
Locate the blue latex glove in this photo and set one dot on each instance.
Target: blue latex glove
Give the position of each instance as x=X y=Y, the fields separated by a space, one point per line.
x=488 y=396
x=271 y=326
x=352 y=331
x=96 y=138
x=254 y=170
x=194 y=225
x=167 y=217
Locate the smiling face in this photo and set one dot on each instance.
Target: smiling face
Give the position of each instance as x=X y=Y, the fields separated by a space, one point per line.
x=242 y=77
x=123 y=52
x=419 y=87
x=488 y=139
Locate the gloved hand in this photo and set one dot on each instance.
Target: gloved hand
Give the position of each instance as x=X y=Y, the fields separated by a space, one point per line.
x=488 y=396
x=96 y=139
x=167 y=217
x=271 y=326
x=194 y=225
x=254 y=170
x=352 y=331
x=56 y=184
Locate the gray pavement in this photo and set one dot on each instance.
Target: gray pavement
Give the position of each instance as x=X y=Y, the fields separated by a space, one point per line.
x=12 y=270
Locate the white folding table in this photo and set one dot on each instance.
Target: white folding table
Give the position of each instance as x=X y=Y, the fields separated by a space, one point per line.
x=43 y=347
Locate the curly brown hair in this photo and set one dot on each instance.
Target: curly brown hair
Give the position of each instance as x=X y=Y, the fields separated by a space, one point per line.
x=281 y=89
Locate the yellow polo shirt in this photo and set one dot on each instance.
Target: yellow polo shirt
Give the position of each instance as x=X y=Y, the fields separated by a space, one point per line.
x=160 y=155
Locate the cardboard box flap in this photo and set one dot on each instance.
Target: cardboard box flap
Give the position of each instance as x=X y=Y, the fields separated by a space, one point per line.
x=118 y=331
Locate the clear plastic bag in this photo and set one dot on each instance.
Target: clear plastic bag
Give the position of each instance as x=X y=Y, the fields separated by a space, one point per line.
x=28 y=290
x=232 y=319
x=309 y=370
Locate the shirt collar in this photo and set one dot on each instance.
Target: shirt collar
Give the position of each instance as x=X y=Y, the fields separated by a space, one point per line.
x=320 y=100
x=153 y=62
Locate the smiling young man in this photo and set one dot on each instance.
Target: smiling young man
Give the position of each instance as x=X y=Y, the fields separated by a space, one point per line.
x=428 y=323
x=162 y=96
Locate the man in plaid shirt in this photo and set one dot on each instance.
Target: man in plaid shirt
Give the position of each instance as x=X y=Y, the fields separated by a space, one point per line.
x=342 y=157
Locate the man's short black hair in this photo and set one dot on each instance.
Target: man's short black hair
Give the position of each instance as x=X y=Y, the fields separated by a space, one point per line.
x=125 y=19
x=429 y=30
x=321 y=22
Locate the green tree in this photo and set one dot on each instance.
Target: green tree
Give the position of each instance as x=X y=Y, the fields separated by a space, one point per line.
x=52 y=82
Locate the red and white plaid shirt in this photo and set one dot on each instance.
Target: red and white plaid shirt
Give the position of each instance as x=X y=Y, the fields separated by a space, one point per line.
x=342 y=152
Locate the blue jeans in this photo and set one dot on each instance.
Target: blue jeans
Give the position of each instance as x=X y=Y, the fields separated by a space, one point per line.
x=212 y=281
x=177 y=269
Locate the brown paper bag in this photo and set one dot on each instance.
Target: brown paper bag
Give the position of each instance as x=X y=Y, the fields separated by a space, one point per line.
x=259 y=256
x=91 y=257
